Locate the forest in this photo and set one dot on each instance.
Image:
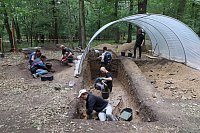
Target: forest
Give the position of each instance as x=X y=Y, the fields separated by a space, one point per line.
x=32 y=22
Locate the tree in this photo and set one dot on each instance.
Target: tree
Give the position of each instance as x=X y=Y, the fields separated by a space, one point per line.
x=142 y=8
x=7 y=26
x=55 y=22
x=181 y=8
x=82 y=39
x=116 y=29
x=129 y=39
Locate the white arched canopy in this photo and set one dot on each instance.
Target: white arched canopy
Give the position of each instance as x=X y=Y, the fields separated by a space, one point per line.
x=170 y=38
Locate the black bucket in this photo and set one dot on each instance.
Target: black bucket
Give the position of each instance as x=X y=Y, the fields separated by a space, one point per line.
x=123 y=53
x=48 y=65
x=105 y=95
x=130 y=54
x=47 y=77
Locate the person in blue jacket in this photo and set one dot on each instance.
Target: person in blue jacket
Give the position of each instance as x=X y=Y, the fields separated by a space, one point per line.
x=34 y=55
x=101 y=106
x=38 y=67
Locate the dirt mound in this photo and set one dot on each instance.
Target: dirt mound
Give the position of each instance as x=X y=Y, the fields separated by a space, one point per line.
x=126 y=47
x=173 y=80
x=109 y=46
x=123 y=47
x=54 y=47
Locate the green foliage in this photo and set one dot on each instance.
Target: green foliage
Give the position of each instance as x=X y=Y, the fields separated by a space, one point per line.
x=37 y=17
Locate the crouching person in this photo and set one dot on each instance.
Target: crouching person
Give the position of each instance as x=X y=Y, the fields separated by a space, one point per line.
x=101 y=106
x=38 y=67
x=67 y=56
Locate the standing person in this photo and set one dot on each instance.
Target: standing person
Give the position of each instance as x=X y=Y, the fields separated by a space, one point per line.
x=67 y=54
x=108 y=78
x=139 y=43
x=39 y=67
x=106 y=57
x=34 y=55
x=101 y=106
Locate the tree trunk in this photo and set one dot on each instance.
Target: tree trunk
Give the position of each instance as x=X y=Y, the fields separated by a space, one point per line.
x=13 y=36
x=31 y=33
x=8 y=27
x=194 y=14
x=56 y=30
x=129 y=39
x=142 y=8
x=18 y=35
x=55 y=21
x=1 y=40
x=99 y=22
x=26 y=30
x=70 y=22
x=42 y=38
x=180 y=10
x=117 y=34
x=82 y=38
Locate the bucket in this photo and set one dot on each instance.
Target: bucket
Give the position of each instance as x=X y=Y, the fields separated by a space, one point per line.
x=126 y=114
x=123 y=53
x=48 y=65
x=47 y=77
x=105 y=95
x=130 y=54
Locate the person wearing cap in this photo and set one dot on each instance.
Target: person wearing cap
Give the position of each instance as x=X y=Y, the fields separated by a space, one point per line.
x=139 y=43
x=108 y=77
x=101 y=106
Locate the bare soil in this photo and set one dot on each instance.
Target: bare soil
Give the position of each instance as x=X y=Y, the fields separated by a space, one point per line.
x=171 y=79
x=30 y=105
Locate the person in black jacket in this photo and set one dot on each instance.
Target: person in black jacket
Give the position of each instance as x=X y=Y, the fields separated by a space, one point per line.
x=108 y=77
x=67 y=55
x=139 y=43
x=101 y=106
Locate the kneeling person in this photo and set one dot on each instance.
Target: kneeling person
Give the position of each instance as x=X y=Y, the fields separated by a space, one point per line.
x=67 y=55
x=108 y=77
x=39 y=67
x=101 y=106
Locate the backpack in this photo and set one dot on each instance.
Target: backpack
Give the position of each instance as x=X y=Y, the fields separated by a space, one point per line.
x=30 y=56
x=99 y=85
x=107 y=57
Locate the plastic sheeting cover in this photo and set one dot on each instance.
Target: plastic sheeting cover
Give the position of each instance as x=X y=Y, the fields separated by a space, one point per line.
x=170 y=38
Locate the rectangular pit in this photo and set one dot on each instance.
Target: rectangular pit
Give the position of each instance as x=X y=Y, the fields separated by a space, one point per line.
x=128 y=82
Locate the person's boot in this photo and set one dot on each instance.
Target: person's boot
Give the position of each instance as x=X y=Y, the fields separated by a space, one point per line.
x=34 y=76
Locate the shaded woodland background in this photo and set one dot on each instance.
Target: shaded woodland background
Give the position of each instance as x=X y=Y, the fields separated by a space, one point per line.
x=26 y=23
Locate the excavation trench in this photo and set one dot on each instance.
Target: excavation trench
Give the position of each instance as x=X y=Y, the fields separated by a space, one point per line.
x=127 y=87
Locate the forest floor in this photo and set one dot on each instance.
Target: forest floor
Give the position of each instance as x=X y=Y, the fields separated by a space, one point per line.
x=30 y=105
